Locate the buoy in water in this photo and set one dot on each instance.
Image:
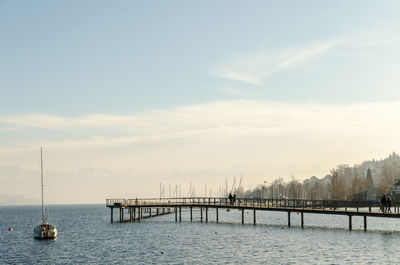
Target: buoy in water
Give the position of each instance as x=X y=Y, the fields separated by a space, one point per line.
x=10 y=229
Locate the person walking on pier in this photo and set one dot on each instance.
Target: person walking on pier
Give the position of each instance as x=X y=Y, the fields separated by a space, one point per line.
x=230 y=198
x=383 y=203
x=389 y=204
x=234 y=198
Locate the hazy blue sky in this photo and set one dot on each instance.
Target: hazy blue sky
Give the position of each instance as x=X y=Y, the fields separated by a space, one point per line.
x=124 y=95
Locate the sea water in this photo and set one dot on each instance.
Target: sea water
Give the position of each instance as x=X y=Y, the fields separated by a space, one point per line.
x=86 y=236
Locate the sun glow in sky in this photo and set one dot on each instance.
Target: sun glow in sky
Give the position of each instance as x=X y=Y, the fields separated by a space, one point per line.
x=124 y=95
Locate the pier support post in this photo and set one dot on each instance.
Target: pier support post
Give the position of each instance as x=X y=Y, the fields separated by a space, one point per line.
x=216 y=213
x=242 y=216
x=365 y=223
x=121 y=214
x=288 y=219
x=350 y=224
x=130 y=214
x=206 y=214
x=176 y=214
x=150 y=211
x=141 y=214
x=201 y=214
x=180 y=214
x=254 y=216
x=302 y=220
x=134 y=214
x=158 y=211
x=191 y=214
x=112 y=214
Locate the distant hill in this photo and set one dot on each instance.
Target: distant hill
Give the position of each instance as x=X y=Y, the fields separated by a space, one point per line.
x=351 y=180
x=365 y=181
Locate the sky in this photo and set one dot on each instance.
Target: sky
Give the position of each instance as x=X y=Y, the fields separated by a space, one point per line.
x=125 y=95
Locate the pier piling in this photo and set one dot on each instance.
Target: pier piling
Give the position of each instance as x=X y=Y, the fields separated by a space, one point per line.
x=350 y=223
x=130 y=214
x=365 y=223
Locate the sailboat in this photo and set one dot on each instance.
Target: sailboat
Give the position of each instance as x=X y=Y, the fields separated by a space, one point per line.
x=44 y=230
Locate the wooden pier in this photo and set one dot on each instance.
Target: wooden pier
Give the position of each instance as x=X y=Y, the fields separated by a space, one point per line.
x=139 y=209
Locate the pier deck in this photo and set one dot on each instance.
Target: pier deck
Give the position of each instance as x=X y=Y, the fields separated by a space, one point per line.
x=139 y=209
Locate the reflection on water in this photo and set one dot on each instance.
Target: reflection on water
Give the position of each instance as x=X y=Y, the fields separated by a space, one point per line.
x=87 y=236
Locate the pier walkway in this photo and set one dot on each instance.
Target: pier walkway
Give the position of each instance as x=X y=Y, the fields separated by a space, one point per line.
x=139 y=209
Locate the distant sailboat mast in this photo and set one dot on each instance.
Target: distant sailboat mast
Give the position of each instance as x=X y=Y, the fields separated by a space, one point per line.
x=41 y=170
x=44 y=230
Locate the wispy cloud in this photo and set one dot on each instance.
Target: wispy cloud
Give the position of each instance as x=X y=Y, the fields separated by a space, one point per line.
x=7 y=129
x=254 y=68
x=295 y=57
x=237 y=91
x=58 y=122
x=382 y=37
x=214 y=121
x=268 y=139
x=250 y=78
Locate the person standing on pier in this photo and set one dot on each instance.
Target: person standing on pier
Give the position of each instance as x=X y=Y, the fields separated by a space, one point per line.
x=389 y=204
x=230 y=198
x=234 y=198
x=383 y=203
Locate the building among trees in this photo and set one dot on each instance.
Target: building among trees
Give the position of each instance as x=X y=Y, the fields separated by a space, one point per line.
x=395 y=191
x=371 y=192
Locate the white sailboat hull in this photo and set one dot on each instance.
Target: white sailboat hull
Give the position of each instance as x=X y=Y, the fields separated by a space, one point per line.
x=45 y=231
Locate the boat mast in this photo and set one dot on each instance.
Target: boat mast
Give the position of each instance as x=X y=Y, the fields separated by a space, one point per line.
x=41 y=171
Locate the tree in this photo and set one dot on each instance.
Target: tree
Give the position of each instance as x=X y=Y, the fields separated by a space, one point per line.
x=294 y=189
x=358 y=189
x=337 y=186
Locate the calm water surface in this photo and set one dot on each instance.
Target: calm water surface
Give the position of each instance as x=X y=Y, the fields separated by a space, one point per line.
x=86 y=236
